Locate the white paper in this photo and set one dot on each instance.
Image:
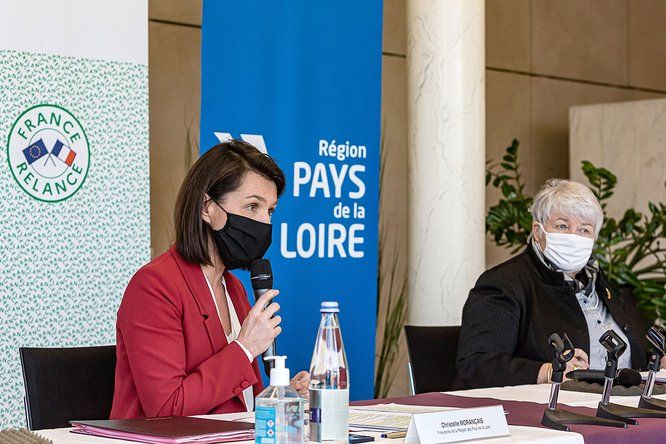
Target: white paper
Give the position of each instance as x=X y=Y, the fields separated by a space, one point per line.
x=387 y=417
x=660 y=376
x=375 y=420
x=403 y=408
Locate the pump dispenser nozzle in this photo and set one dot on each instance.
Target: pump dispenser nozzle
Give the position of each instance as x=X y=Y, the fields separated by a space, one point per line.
x=279 y=413
x=279 y=373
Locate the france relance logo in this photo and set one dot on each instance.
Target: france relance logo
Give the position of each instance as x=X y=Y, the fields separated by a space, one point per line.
x=48 y=153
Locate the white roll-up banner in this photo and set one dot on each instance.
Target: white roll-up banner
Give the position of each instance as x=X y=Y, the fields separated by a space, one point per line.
x=74 y=175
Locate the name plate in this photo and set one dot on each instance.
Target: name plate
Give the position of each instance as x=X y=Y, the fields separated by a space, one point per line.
x=457 y=425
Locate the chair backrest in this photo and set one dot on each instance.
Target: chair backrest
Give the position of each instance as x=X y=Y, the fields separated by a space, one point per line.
x=64 y=384
x=432 y=355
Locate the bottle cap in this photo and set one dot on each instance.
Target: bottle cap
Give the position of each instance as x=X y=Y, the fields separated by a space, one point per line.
x=279 y=373
x=329 y=307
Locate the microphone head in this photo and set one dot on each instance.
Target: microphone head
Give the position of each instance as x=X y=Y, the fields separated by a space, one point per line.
x=613 y=344
x=628 y=377
x=261 y=274
x=656 y=337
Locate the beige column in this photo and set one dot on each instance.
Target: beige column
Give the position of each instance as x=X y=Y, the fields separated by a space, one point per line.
x=446 y=141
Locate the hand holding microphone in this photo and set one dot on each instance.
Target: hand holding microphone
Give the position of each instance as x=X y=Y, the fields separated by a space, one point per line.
x=260 y=327
x=261 y=275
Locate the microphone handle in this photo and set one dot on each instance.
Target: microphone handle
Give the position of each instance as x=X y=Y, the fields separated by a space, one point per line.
x=270 y=351
x=272 y=348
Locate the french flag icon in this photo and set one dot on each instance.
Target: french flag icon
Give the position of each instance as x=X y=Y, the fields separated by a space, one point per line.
x=63 y=153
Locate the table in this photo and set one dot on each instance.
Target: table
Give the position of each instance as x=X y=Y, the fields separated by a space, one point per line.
x=529 y=393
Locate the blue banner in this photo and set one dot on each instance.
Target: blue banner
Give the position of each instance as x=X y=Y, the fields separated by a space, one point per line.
x=302 y=79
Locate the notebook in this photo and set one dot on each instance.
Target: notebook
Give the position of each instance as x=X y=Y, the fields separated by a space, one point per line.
x=169 y=430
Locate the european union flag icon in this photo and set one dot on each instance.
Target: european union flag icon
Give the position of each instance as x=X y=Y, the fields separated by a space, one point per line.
x=35 y=151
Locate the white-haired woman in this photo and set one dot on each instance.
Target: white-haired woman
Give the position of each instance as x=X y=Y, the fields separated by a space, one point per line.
x=553 y=286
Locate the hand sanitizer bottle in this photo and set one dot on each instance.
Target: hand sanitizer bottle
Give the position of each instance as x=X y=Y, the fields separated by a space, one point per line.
x=279 y=409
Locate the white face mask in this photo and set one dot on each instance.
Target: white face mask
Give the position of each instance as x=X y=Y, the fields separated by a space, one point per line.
x=568 y=252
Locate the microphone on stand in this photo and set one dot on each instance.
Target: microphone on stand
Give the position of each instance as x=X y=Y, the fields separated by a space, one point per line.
x=626 y=377
x=261 y=276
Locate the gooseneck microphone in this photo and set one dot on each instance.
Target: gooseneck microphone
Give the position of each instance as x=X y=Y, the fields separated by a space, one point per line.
x=261 y=276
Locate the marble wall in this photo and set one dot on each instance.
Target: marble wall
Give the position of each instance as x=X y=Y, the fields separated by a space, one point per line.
x=544 y=56
x=174 y=62
x=393 y=198
x=629 y=139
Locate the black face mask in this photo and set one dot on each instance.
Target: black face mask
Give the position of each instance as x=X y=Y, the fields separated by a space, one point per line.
x=242 y=240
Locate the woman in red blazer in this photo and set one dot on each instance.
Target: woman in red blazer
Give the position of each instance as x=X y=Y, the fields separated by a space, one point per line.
x=187 y=338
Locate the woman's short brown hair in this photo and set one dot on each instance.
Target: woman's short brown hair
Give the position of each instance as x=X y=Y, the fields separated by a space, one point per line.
x=219 y=171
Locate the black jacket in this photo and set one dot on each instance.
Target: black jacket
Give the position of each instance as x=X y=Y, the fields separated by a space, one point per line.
x=514 y=308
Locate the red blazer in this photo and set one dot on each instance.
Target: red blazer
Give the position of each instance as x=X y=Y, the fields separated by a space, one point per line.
x=173 y=356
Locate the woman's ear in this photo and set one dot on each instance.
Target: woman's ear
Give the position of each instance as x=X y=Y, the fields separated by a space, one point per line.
x=205 y=209
x=537 y=233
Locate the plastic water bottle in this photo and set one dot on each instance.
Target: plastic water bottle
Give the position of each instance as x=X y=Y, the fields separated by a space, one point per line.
x=329 y=381
x=279 y=409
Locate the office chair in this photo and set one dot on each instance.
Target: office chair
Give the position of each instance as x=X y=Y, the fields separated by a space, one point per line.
x=64 y=384
x=432 y=357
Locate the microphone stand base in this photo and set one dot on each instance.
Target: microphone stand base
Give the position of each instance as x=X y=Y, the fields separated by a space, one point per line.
x=627 y=414
x=652 y=403
x=558 y=419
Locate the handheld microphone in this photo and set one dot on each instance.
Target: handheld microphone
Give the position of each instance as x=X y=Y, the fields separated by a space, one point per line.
x=261 y=276
x=626 y=377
